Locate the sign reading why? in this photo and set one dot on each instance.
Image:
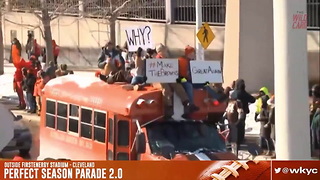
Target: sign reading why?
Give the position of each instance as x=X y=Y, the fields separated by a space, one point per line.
x=206 y=71
x=139 y=37
x=162 y=70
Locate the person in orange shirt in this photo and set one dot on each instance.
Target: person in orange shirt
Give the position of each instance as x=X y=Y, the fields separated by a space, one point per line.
x=38 y=86
x=185 y=77
x=18 y=63
x=56 y=51
x=169 y=88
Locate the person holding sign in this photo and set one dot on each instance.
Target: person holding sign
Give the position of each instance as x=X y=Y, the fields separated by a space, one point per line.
x=169 y=88
x=185 y=77
x=110 y=59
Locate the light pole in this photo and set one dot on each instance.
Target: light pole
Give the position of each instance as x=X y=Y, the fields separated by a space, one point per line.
x=199 y=48
x=291 y=80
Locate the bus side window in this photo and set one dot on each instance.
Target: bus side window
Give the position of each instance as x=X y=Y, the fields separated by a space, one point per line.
x=100 y=126
x=110 y=134
x=50 y=114
x=73 y=118
x=62 y=114
x=86 y=125
x=123 y=133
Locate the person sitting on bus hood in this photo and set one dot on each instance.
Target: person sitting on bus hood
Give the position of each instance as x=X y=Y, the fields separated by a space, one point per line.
x=168 y=90
x=185 y=77
x=108 y=51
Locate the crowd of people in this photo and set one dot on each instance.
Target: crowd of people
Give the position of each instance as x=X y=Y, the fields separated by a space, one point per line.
x=119 y=65
x=30 y=77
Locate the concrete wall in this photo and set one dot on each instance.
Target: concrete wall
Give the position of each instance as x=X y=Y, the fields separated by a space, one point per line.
x=80 y=38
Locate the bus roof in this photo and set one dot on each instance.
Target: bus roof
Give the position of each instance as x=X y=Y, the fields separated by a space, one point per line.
x=92 y=92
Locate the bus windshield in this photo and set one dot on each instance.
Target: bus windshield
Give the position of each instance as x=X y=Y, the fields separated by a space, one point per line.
x=184 y=136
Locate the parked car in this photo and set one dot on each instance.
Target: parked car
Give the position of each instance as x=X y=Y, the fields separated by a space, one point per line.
x=22 y=138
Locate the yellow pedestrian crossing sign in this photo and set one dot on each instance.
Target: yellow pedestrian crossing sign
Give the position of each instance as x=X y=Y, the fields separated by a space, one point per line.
x=205 y=35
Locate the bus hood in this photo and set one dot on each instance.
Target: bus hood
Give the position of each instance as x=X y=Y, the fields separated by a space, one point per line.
x=201 y=156
x=206 y=156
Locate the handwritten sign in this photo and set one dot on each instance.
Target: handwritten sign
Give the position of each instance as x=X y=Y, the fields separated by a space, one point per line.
x=162 y=70
x=206 y=71
x=139 y=37
x=299 y=20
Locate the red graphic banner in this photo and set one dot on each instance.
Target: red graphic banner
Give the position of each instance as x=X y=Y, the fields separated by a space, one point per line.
x=151 y=170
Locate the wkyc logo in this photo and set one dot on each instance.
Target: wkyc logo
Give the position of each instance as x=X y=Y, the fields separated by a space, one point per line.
x=299 y=170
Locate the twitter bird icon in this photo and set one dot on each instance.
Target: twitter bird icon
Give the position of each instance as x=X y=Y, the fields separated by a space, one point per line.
x=277 y=170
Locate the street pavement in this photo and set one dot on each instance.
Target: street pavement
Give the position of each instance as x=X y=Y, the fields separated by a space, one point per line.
x=10 y=99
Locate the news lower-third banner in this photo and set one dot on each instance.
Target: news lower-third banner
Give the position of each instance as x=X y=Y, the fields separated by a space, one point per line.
x=160 y=170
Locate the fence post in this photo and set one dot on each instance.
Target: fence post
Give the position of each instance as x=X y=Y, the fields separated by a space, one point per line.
x=81 y=8
x=8 y=5
x=170 y=6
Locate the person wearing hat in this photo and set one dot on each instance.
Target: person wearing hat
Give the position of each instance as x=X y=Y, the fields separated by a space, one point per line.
x=185 y=77
x=169 y=88
x=110 y=59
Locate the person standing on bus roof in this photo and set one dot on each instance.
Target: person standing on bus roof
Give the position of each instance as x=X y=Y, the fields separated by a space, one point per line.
x=168 y=90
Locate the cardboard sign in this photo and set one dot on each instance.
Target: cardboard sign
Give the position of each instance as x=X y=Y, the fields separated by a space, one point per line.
x=139 y=37
x=162 y=70
x=206 y=71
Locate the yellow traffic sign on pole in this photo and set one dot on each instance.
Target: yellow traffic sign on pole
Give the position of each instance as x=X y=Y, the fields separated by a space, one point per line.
x=205 y=35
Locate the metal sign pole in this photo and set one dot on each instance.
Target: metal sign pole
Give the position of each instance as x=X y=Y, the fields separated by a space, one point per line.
x=199 y=48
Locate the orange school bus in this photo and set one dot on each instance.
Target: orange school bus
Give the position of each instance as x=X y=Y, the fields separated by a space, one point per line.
x=84 y=118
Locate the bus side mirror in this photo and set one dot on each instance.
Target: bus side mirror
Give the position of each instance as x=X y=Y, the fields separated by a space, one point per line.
x=141 y=143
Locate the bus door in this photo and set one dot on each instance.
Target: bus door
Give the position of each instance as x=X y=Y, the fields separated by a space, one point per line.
x=111 y=136
x=122 y=138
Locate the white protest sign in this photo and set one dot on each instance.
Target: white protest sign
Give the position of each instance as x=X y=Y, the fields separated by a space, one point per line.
x=162 y=70
x=139 y=37
x=206 y=71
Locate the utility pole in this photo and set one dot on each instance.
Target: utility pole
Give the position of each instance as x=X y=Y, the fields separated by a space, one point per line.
x=291 y=80
x=199 y=48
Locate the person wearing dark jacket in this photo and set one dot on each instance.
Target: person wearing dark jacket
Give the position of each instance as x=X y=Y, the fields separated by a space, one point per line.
x=116 y=58
x=241 y=94
x=29 y=84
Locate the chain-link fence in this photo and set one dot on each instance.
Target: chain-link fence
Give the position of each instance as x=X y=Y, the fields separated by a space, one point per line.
x=214 y=11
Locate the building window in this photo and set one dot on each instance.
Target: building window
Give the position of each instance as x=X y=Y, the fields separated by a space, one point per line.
x=86 y=115
x=62 y=110
x=50 y=121
x=110 y=134
x=62 y=124
x=122 y=156
x=110 y=155
x=123 y=133
x=51 y=107
x=99 y=126
x=73 y=110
